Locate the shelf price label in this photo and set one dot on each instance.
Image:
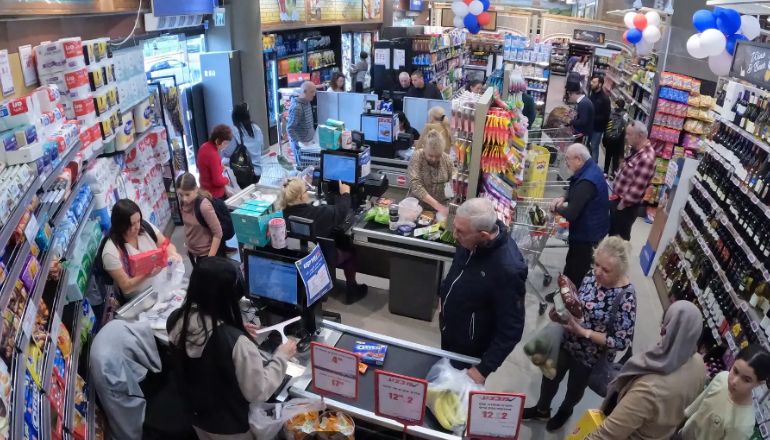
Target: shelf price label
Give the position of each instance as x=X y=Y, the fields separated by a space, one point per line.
x=400 y=397
x=32 y=228
x=494 y=415
x=335 y=371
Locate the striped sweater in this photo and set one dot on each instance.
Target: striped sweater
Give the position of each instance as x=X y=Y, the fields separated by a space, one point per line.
x=300 y=125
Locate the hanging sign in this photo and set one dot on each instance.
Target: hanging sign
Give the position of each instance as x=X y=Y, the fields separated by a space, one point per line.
x=382 y=57
x=28 y=69
x=494 y=415
x=335 y=371
x=750 y=63
x=588 y=36
x=400 y=397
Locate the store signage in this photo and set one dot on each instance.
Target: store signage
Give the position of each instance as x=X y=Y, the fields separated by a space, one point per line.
x=6 y=77
x=400 y=397
x=494 y=415
x=588 y=36
x=335 y=371
x=752 y=63
x=315 y=275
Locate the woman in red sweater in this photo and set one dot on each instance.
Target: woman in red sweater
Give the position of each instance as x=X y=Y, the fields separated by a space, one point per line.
x=209 y=161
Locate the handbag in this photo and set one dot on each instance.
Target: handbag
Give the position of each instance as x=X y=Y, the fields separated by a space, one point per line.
x=606 y=370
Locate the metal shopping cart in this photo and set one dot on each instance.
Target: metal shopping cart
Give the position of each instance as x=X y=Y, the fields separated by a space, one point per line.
x=532 y=228
x=556 y=141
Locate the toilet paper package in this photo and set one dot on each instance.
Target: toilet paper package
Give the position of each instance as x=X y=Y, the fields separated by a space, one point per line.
x=77 y=82
x=56 y=79
x=8 y=140
x=47 y=97
x=125 y=133
x=25 y=135
x=84 y=110
x=143 y=116
x=52 y=57
x=17 y=112
x=73 y=52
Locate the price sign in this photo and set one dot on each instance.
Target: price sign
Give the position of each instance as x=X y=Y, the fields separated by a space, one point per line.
x=494 y=415
x=730 y=341
x=400 y=397
x=335 y=371
x=31 y=230
x=29 y=319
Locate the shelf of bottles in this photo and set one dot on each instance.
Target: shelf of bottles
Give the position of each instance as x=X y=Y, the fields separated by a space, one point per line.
x=631 y=79
x=440 y=57
x=680 y=120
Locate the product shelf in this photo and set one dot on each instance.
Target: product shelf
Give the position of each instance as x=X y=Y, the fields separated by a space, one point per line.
x=532 y=63
x=642 y=86
x=18 y=212
x=65 y=159
x=69 y=397
x=53 y=335
x=124 y=109
x=13 y=275
x=536 y=78
x=16 y=413
x=698 y=293
x=762 y=144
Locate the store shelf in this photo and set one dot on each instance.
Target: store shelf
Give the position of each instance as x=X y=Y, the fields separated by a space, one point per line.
x=745 y=134
x=458 y=47
x=698 y=293
x=17 y=411
x=56 y=171
x=530 y=63
x=53 y=334
x=536 y=78
x=322 y=50
x=86 y=216
x=13 y=274
x=615 y=79
x=126 y=108
x=535 y=89
x=286 y=57
x=18 y=212
x=642 y=86
x=69 y=399
x=67 y=203
x=323 y=67
x=474 y=67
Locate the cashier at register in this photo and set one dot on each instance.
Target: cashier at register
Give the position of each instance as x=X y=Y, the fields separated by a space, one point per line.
x=430 y=172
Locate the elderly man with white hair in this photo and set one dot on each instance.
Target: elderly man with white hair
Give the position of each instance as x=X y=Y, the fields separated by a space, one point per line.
x=631 y=181
x=405 y=81
x=586 y=207
x=482 y=296
x=300 y=124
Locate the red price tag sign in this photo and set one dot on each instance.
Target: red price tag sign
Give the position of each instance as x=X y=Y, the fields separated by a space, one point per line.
x=400 y=397
x=335 y=371
x=494 y=415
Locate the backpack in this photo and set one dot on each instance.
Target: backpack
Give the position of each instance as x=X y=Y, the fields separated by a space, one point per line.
x=616 y=126
x=240 y=163
x=223 y=215
x=98 y=269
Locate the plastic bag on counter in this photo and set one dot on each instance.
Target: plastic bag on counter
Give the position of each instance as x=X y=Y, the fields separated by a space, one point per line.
x=170 y=279
x=543 y=348
x=267 y=419
x=448 y=391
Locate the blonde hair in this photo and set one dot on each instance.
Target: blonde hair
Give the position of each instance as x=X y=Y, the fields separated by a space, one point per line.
x=292 y=193
x=434 y=142
x=616 y=248
x=437 y=115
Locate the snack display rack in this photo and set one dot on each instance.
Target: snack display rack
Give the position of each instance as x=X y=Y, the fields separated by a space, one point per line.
x=631 y=81
x=469 y=114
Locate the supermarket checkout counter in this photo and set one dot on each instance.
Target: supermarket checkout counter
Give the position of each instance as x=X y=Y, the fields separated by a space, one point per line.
x=403 y=357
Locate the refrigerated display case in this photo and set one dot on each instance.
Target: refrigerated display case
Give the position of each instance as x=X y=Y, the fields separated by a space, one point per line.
x=352 y=45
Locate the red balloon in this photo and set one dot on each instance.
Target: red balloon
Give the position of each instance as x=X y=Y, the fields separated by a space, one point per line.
x=625 y=38
x=483 y=18
x=467 y=2
x=640 y=21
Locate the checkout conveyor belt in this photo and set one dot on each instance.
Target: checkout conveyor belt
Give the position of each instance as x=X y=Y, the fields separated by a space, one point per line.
x=403 y=357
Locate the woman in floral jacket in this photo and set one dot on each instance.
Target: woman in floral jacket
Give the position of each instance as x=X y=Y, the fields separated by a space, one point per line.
x=585 y=343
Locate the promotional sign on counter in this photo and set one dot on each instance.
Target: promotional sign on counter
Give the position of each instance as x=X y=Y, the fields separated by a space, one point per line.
x=494 y=415
x=335 y=371
x=315 y=275
x=400 y=397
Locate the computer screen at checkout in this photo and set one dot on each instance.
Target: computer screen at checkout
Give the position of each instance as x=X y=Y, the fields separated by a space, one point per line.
x=272 y=279
x=337 y=167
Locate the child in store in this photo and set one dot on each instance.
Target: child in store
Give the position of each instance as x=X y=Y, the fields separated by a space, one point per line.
x=203 y=239
x=724 y=411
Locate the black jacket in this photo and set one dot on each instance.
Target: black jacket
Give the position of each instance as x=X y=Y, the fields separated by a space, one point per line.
x=430 y=91
x=584 y=120
x=482 y=302
x=602 y=110
x=325 y=217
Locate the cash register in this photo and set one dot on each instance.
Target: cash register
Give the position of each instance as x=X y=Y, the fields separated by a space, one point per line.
x=351 y=167
x=379 y=134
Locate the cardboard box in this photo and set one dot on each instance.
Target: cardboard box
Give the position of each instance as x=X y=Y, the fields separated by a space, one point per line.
x=251 y=226
x=588 y=423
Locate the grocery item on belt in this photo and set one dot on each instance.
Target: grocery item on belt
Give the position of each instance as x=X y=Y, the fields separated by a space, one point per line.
x=370 y=352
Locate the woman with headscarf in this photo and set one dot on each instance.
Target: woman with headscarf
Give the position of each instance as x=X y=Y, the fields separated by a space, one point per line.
x=648 y=398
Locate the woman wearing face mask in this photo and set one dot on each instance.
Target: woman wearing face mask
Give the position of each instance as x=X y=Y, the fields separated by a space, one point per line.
x=438 y=122
x=220 y=368
x=130 y=235
x=724 y=410
x=209 y=161
x=430 y=171
x=202 y=239
x=606 y=288
x=647 y=399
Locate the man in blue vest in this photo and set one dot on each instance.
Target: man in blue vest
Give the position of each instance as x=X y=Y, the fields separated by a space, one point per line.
x=587 y=209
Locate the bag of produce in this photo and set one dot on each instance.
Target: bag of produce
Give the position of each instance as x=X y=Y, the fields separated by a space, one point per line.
x=378 y=214
x=448 y=391
x=330 y=425
x=566 y=302
x=543 y=348
x=267 y=419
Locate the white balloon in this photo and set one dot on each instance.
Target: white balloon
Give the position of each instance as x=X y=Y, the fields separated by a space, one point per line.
x=749 y=26
x=653 y=19
x=720 y=64
x=713 y=42
x=651 y=34
x=459 y=22
x=476 y=7
x=644 y=48
x=694 y=47
x=628 y=19
x=460 y=9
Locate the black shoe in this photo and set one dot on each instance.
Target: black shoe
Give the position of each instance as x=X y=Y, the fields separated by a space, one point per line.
x=356 y=295
x=558 y=420
x=535 y=414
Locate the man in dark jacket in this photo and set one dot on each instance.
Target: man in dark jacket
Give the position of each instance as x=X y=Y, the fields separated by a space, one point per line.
x=583 y=122
x=601 y=114
x=587 y=209
x=482 y=297
x=529 y=110
x=421 y=89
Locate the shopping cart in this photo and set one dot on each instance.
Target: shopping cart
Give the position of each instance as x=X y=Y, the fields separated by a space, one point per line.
x=532 y=229
x=306 y=156
x=556 y=141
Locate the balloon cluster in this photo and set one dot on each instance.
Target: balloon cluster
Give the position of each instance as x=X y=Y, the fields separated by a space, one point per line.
x=643 y=30
x=471 y=14
x=720 y=31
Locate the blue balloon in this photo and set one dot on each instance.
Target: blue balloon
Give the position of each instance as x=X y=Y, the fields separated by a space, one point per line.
x=703 y=19
x=470 y=20
x=728 y=21
x=485 y=3
x=634 y=35
x=732 y=41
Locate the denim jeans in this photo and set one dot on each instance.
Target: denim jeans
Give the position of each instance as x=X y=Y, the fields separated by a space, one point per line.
x=593 y=145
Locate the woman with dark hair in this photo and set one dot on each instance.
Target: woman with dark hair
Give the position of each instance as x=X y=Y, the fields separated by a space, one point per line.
x=724 y=410
x=209 y=161
x=202 y=239
x=358 y=72
x=405 y=127
x=338 y=82
x=250 y=135
x=475 y=86
x=219 y=366
x=130 y=235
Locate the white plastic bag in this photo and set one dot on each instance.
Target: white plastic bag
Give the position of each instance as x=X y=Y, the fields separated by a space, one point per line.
x=267 y=419
x=543 y=348
x=448 y=391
